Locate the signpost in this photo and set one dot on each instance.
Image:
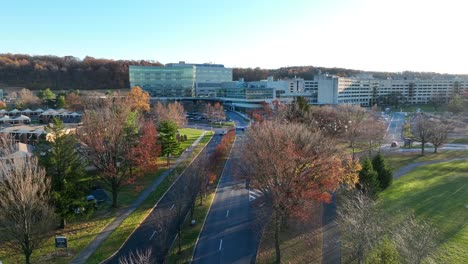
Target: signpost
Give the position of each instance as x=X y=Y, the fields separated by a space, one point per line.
x=60 y=243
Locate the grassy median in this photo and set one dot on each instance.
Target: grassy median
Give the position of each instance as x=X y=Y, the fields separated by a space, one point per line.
x=119 y=235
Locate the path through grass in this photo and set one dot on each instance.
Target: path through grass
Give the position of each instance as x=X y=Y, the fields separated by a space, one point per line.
x=437 y=193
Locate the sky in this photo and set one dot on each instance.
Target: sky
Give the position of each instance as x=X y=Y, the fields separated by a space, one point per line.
x=377 y=35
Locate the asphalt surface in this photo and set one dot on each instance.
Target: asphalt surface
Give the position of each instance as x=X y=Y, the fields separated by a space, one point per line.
x=159 y=229
x=395 y=127
x=231 y=232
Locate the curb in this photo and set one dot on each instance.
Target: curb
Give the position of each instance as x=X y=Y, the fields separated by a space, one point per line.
x=209 y=209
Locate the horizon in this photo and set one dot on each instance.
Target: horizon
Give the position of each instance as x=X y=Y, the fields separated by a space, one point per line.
x=359 y=35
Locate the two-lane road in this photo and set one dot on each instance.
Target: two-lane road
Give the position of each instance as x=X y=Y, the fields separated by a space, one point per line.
x=231 y=232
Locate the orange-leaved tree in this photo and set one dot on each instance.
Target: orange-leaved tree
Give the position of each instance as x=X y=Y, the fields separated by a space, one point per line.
x=293 y=166
x=139 y=99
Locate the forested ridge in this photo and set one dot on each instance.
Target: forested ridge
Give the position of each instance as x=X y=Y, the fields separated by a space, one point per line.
x=67 y=73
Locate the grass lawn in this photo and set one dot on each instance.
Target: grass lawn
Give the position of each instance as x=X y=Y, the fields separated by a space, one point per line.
x=301 y=242
x=118 y=237
x=78 y=233
x=437 y=193
x=398 y=160
x=192 y=135
x=190 y=233
x=460 y=141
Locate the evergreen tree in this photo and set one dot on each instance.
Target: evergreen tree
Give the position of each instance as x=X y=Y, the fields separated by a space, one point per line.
x=66 y=169
x=168 y=136
x=368 y=178
x=385 y=174
x=60 y=102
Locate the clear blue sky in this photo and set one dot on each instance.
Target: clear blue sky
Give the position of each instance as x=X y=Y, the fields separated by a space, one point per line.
x=362 y=34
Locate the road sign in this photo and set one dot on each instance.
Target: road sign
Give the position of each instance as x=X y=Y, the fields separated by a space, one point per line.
x=60 y=242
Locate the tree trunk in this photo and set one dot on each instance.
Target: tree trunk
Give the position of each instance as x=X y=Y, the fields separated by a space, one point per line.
x=435 y=148
x=27 y=258
x=114 y=198
x=62 y=223
x=168 y=161
x=422 y=148
x=277 y=239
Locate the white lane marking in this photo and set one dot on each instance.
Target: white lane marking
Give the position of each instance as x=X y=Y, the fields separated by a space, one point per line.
x=172 y=207
x=220 y=244
x=227 y=213
x=254 y=194
x=154 y=233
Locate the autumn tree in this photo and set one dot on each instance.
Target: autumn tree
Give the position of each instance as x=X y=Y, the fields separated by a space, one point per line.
x=439 y=135
x=2 y=105
x=139 y=99
x=421 y=129
x=170 y=112
x=147 y=149
x=107 y=138
x=25 y=213
x=74 y=102
x=167 y=136
x=65 y=167
x=326 y=119
x=292 y=167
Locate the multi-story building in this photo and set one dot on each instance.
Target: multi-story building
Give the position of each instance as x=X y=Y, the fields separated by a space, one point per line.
x=214 y=82
x=180 y=80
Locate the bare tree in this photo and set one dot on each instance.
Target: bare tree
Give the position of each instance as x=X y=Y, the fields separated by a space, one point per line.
x=373 y=133
x=421 y=128
x=26 y=214
x=170 y=112
x=291 y=166
x=26 y=98
x=354 y=117
x=139 y=257
x=439 y=135
x=415 y=240
x=360 y=225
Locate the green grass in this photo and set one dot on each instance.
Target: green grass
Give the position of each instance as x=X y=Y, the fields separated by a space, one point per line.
x=192 y=135
x=399 y=160
x=78 y=233
x=190 y=233
x=120 y=234
x=223 y=124
x=460 y=141
x=437 y=193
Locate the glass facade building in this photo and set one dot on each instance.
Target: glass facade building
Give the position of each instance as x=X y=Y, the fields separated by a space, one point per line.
x=180 y=79
x=164 y=81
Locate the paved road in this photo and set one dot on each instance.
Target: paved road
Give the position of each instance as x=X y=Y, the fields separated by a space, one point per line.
x=231 y=233
x=395 y=127
x=158 y=230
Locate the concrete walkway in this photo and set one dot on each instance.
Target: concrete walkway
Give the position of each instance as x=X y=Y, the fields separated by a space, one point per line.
x=102 y=236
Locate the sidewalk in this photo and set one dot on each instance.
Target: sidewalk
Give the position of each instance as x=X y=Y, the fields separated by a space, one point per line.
x=102 y=236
